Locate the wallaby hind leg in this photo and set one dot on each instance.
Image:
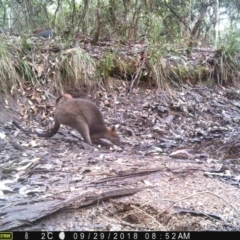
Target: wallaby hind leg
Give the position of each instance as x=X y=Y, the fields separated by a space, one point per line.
x=83 y=129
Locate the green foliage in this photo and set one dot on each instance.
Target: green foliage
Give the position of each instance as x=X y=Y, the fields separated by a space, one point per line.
x=226 y=64
x=166 y=21
x=231 y=42
x=165 y=25
x=25 y=71
x=26 y=43
x=107 y=64
x=8 y=74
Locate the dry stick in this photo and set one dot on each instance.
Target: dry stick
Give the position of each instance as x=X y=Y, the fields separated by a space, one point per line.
x=195 y=195
x=139 y=70
x=34 y=63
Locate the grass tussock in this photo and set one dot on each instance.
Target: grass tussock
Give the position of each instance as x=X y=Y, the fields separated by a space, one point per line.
x=117 y=66
x=226 y=65
x=8 y=74
x=75 y=69
x=159 y=73
x=170 y=66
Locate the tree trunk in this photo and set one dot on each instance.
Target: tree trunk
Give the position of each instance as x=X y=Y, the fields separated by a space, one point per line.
x=63 y=17
x=216 y=23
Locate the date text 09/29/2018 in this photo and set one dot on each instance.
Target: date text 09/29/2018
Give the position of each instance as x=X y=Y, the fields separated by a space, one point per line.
x=102 y=235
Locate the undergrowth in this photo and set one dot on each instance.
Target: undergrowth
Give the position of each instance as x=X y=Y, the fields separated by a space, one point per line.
x=164 y=65
x=8 y=59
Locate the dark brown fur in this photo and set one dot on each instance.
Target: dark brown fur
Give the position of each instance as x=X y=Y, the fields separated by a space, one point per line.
x=85 y=117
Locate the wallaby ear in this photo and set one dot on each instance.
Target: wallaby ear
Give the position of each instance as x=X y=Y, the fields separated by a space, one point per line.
x=68 y=95
x=113 y=129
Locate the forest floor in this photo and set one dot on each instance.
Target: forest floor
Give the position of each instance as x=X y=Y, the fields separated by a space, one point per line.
x=177 y=168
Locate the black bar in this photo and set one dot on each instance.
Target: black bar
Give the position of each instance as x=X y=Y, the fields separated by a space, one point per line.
x=117 y=235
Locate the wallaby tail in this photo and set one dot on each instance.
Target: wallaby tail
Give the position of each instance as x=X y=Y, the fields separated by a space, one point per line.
x=50 y=132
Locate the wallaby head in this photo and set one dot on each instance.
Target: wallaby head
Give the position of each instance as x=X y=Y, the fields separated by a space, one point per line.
x=106 y=133
x=112 y=136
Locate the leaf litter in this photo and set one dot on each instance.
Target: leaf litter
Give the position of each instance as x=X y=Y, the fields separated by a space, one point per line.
x=176 y=169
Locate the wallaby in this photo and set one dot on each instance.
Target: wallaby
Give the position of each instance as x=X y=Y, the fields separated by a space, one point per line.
x=85 y=117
